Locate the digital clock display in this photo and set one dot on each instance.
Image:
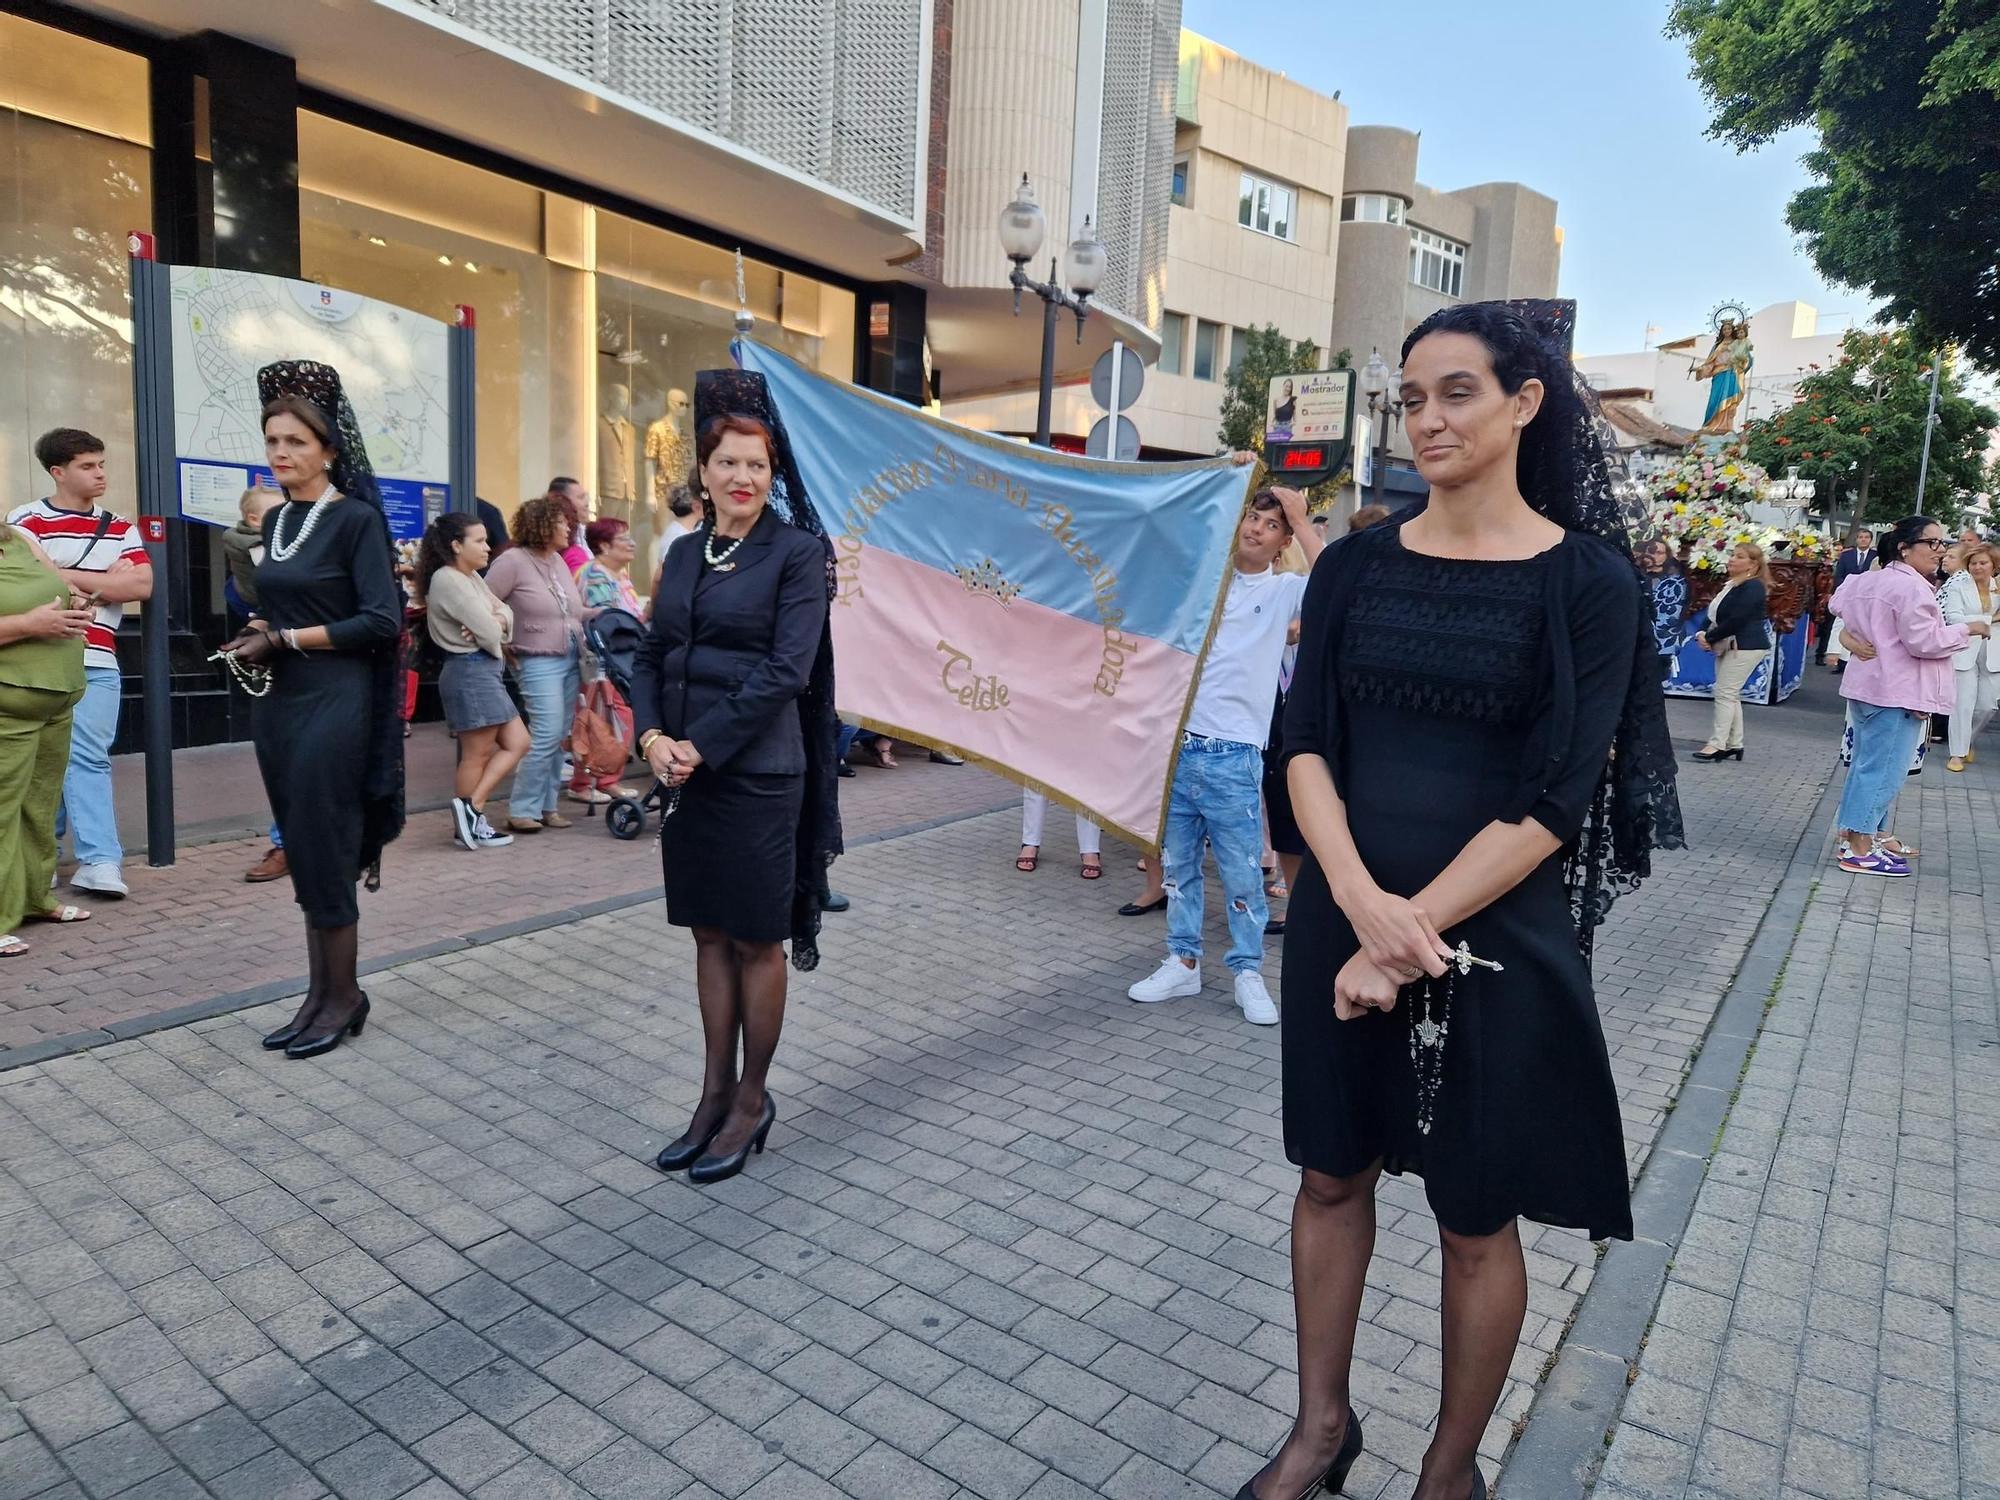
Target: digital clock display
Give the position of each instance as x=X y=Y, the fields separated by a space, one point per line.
x=1304 y=458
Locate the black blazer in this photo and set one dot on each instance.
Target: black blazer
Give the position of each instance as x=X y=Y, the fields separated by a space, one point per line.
x=1851 y=560
x=729 y=653
x=1742 y=618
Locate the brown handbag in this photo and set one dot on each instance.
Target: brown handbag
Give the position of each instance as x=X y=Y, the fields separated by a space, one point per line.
x=600 y=736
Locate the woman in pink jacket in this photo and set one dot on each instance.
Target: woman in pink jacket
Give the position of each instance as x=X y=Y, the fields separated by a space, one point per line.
x=1894 y=693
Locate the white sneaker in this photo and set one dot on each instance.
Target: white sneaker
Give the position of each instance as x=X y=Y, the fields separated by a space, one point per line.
x=1254 y=1000
x=463 y=821
x=1173 y=980
x=99 y=880
x=486 y=836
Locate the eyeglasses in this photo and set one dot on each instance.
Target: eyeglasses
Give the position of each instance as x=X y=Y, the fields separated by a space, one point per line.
x=1930 y=541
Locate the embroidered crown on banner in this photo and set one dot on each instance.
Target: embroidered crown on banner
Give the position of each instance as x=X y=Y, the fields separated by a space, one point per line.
x=987 y=579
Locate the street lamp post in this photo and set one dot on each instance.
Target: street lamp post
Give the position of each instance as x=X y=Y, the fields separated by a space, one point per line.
x=1022 y=229
x=1383 y=386
x=1791 y=492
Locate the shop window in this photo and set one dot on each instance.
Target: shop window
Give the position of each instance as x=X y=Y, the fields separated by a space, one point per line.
x=392 y=221
x=75 y=175
x=591 y=325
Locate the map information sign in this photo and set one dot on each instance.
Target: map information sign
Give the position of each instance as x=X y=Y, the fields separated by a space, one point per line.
x=393 y=364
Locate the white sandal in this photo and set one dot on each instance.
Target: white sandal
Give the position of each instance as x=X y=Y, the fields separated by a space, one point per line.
x=58 y=914
x=11 y=946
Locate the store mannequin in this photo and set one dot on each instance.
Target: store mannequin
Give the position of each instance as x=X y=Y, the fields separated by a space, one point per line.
x=669 y=455
x=617 y=456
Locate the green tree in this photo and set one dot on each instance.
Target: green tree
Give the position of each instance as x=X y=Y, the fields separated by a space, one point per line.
x=1905 y=96
x=1858 y=430
x=1267 y=355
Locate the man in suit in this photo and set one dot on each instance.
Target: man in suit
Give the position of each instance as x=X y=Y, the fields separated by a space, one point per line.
x=1856 y=557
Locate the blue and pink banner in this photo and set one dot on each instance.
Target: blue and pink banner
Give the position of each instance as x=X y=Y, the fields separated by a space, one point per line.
x=1041 y=614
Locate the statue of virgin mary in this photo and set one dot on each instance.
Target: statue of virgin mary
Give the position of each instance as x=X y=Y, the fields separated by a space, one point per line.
x=1726 y=369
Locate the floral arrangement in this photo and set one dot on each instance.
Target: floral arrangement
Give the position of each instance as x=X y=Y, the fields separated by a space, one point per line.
x=1700 y=506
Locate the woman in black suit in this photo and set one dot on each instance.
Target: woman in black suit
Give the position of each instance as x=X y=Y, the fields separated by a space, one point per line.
x=1739 y=634
x=733 y=703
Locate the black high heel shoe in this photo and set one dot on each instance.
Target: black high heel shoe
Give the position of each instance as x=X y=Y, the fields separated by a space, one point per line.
x=1709 y=757
x=283 y=1037
x=1335 y=1476
x=681 y=1154
x=307 y=1045
x=721 y=1168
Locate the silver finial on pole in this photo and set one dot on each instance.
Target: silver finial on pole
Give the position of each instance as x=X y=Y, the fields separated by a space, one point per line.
x=744 y=320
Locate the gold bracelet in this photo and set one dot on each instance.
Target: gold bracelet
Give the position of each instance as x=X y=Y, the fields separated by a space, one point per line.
x=646 y=739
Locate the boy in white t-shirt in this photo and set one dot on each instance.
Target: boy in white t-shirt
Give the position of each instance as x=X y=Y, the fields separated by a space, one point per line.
x=1219 y=780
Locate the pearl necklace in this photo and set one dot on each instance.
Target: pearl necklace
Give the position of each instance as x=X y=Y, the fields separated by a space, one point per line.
x=721 y=563
x=283 y=551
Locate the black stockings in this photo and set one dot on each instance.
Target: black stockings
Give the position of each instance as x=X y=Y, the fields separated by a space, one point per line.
x=1485 y=1300
x=334 y=956
x=742 y=992
x=1333 y=1239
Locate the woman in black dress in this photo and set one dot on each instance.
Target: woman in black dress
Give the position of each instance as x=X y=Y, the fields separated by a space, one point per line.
x=732 y=700
x=329 y=742
x=1463 y=675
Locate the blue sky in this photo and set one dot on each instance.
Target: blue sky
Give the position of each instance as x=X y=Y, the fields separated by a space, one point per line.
x=1584 y=100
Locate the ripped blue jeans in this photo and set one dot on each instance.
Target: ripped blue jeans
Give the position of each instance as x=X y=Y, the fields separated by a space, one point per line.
x=1218 y=796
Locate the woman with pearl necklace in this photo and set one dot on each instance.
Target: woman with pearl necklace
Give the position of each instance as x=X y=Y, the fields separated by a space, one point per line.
x=321 y=656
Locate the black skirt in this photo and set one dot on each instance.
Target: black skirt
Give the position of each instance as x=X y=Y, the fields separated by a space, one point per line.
x=730 y=853
x=312 y=748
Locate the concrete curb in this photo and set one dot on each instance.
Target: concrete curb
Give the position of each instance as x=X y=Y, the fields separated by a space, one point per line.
x=279 y=989
x=1562 y=1443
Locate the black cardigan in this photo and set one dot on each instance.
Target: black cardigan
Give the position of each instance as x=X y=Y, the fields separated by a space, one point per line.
x=1742 y=618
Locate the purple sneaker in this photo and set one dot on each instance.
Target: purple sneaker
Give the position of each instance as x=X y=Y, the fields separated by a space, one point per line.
x=1875 y=863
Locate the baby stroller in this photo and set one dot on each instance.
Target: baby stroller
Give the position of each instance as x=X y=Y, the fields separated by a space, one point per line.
x=614 y=638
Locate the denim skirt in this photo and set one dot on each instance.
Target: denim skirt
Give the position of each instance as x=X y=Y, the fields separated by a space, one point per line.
x=473 y=694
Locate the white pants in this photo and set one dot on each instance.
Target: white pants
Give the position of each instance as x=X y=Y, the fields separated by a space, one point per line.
x=1978 y=696
x=1731 y=672
x=1035 y=810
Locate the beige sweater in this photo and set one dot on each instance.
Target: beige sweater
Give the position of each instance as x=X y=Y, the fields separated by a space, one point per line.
x=457 y=599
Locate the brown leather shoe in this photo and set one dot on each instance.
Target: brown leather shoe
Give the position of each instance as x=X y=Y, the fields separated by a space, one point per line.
x=556 y=820
x=523 y=825
x=271 y=867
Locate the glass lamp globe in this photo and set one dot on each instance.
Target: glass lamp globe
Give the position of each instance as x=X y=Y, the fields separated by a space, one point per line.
x=1022 y=225
x=1085 y=262
x=1374 y=375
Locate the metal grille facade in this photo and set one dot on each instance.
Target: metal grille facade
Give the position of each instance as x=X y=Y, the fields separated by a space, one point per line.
x=828 y=88
x=1135 y=165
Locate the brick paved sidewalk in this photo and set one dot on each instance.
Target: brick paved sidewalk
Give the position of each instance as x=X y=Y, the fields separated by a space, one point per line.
x=1014 y=1236
x=1831 y=1321
x=193 y=932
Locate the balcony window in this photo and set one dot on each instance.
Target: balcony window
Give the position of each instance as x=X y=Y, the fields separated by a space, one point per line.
x=1182 y=167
